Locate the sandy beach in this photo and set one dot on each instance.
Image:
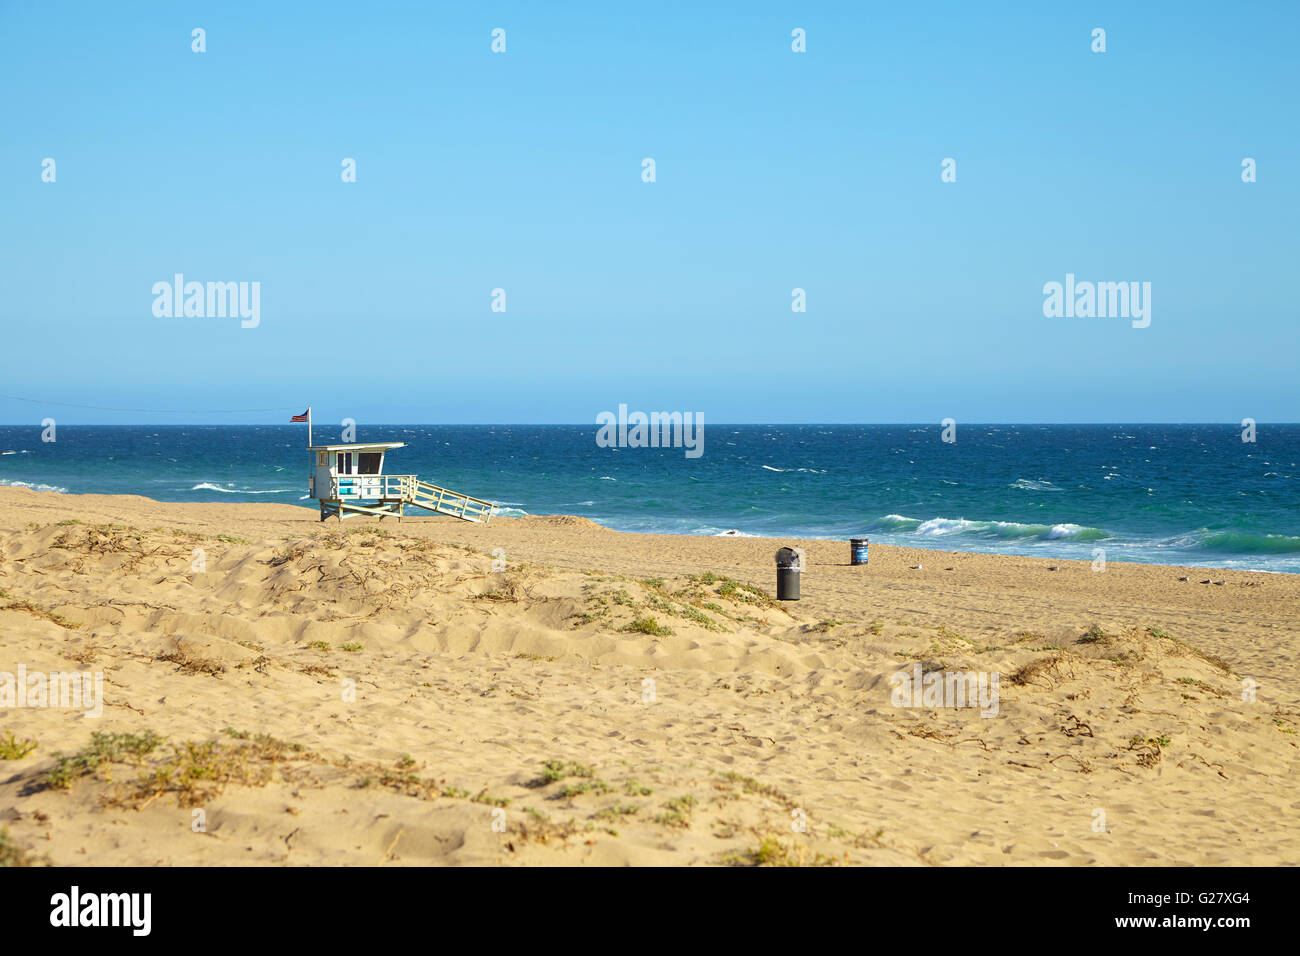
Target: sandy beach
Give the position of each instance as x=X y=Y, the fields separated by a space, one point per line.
x=282 y=691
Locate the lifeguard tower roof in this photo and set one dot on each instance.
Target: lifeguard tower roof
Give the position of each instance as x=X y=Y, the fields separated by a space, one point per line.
x=357 y=446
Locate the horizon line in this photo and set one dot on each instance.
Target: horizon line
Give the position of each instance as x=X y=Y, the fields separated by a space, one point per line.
x=756 y=424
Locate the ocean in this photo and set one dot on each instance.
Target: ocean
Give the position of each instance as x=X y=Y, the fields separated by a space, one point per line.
x=1161 y=494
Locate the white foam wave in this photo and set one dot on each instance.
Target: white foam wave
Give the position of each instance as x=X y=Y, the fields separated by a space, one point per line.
x=1058 y=531
x=1026 y=484
x=938 y=526
x=33 y=485
x=208 y=486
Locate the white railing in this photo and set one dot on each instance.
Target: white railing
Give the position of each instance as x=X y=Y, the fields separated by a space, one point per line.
x=375 y=487
x=409 y=489
x=450 y=502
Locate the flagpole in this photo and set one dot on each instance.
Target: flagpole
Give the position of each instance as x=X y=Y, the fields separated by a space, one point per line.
x=311 y=465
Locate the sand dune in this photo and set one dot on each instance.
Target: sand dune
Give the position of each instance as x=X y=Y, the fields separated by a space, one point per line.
x=380 y=695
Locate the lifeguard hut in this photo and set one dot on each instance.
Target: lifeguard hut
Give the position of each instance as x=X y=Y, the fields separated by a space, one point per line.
x=349 y=480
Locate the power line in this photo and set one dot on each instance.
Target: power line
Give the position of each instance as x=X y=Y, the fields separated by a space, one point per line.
x=156 y=411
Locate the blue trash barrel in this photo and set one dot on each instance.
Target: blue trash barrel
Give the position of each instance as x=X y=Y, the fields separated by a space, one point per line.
x=858 y=550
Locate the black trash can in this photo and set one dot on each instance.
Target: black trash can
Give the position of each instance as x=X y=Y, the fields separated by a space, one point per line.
x=857 y=550
x=788 y=568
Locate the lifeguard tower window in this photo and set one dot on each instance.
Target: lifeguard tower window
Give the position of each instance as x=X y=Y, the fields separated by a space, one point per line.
x=344 y=463
x=368 y=462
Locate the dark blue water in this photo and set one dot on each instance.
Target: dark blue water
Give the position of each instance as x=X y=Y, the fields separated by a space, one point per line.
x=1174 y=494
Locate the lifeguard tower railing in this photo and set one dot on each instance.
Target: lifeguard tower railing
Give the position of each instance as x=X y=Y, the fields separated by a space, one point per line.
x=349 y=490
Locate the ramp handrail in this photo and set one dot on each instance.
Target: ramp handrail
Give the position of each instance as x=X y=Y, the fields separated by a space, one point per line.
x=435 y=497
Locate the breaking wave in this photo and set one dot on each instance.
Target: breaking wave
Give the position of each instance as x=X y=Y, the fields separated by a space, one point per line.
x=1026 y=484
x=1203 y=539
x=1005 y=530
x=208 y=486
x=1239 y=542
x=33 y=485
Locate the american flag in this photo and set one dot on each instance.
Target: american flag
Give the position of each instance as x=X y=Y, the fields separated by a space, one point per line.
x=299 y=418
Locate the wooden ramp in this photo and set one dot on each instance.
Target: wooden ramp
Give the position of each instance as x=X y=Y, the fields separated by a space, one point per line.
x=425 y=495
x=387 y=495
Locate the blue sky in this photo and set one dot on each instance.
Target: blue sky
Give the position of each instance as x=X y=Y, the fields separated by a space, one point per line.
x=775 y=170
